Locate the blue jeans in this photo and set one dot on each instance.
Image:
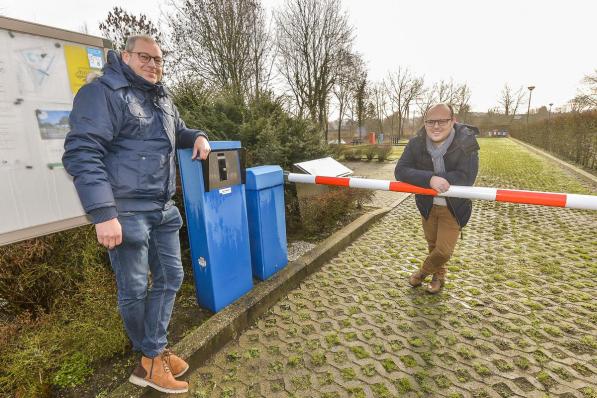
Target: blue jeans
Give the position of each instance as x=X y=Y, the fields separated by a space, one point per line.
x=149 y=243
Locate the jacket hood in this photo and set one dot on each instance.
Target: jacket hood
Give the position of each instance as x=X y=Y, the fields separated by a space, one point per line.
x=117 y=75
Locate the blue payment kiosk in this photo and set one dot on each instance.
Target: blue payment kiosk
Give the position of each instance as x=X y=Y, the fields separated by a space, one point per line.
x=216 y=214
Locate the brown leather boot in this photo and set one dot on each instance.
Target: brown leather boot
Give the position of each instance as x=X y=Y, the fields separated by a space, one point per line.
x=417 y=278
x=177 y=365
x=155 y=373
x=436 y=285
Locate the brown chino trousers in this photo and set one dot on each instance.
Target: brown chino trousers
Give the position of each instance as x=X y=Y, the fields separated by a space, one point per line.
x=441 y=232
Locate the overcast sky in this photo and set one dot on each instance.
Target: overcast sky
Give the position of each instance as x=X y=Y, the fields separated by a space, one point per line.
x=550 y=44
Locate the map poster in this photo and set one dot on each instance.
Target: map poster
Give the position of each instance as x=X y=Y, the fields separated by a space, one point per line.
x=95 y=58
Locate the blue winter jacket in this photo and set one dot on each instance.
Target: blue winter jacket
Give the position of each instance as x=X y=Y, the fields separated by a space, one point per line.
x=121 y=145
x=461 y=162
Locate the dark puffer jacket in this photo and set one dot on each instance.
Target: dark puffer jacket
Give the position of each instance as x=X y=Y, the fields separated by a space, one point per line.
x=461 y=162
x=120 y=149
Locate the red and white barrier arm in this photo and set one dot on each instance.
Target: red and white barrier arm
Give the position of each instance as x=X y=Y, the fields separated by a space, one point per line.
x=573 y=201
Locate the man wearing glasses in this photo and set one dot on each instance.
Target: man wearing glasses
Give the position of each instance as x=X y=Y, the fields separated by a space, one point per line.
x=443 y=153
x=120 y=151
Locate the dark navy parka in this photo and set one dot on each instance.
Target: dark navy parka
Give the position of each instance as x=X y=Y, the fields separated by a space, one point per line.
x=121 y=145
x=461 y=163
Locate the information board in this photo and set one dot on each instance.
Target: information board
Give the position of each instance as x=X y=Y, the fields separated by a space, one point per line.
x=39 y=76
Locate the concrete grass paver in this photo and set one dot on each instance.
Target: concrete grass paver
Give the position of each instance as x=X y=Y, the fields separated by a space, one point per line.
x=517 y=316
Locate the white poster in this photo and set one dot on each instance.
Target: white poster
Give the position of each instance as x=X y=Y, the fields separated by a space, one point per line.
x=40 y=68
x=13 y=143
x=6 y=75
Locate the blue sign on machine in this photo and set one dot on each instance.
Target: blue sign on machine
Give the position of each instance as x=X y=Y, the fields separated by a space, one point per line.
x=216 y=214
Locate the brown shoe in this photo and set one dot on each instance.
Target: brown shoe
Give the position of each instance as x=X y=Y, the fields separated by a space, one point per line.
x=417 y=278
x=177 y=365
x=155 y=373
x=436 y=285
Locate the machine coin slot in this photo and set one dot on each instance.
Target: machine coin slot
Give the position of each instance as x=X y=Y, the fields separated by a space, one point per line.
x=222 y=167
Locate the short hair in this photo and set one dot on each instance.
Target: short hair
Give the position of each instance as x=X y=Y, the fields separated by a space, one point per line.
x=449 y=106
x=131 y=40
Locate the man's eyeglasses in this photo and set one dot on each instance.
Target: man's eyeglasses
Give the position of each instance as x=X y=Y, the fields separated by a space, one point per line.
x=440 y=122
x=145 y=58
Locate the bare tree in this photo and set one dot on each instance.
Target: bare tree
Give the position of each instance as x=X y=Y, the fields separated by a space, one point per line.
x=344 y=87
x=223 y=42
x=380 y=103
x=84 y=28
x=313 y=36
x=445 y=91
x=361 y=97
x=426 y=99
x=461 y=101
x=510 y=100
x=586 y=98
x=120 y=24
x=403 y=88
x=391 y=109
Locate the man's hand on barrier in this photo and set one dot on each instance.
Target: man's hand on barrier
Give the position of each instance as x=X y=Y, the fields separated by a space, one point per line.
x=440 y=184
x=109 y=233
x=201 y=148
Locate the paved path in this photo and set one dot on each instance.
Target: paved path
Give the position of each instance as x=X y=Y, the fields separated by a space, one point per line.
x=517 y=316
x=381 y=171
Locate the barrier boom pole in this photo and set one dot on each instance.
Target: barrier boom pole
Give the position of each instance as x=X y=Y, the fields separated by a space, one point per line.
x=573 y=201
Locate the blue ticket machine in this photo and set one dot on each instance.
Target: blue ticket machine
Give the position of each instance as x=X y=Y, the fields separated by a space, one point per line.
x=216 y=214
x=267 y=221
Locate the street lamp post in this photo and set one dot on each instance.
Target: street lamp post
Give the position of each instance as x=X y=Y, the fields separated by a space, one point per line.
x=549 y=127
x=549 y=115
x=531 y=88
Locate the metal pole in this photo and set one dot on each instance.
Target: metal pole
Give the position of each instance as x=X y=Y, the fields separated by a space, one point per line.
x=549 y=137
x=531 y=88
x=549 y=115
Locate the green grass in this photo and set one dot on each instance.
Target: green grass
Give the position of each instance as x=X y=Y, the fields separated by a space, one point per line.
x=348 y=374
x=318 y=359
x=368 y=370
x=360 y=352
x=505 y=164
x=521 y=362
x=332 y=339
x=403 y=385
x=408 y=361
x=389 y=365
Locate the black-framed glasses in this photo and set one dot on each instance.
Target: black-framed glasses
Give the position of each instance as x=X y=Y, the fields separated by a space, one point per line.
x=440 y=122
x=145 y=58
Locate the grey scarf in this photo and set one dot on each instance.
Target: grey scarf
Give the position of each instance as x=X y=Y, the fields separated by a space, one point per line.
x=437 y=152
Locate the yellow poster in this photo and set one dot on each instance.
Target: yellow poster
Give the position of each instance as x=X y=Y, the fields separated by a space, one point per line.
x=77 y=64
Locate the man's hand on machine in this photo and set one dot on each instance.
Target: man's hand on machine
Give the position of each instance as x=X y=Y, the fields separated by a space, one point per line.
x=109 y=233
x=201 y=148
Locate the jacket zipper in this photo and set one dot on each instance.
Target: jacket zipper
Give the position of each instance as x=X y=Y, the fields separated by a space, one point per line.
x=160 y=113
